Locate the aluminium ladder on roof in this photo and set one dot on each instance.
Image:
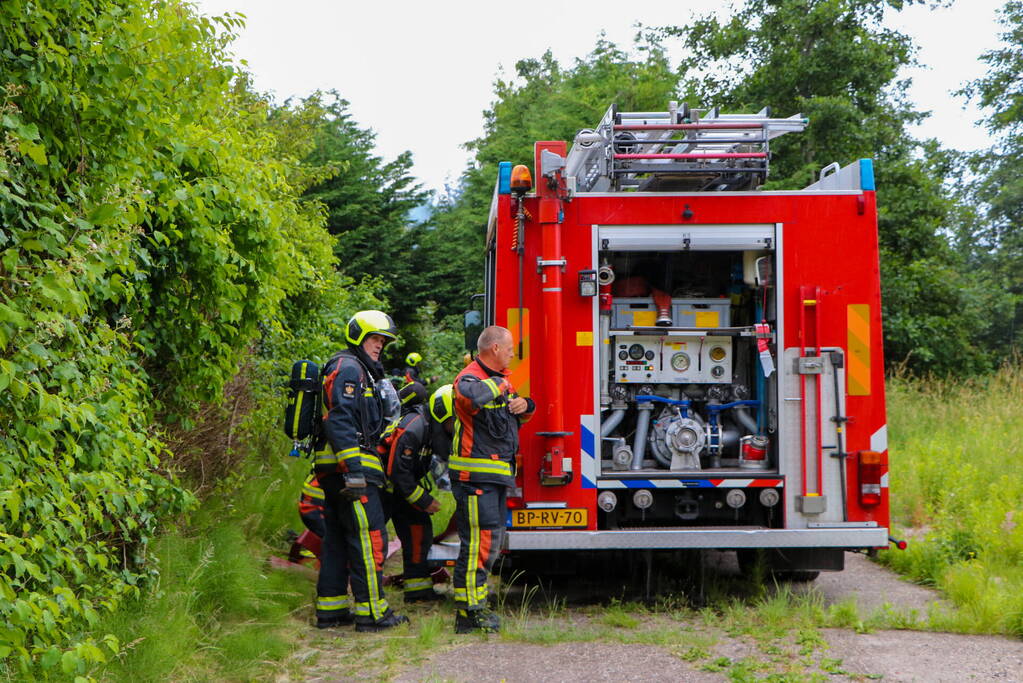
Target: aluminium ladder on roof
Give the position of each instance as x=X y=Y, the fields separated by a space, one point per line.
x=679 y=150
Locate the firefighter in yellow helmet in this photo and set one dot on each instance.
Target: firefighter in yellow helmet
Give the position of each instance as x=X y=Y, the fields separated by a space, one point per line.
x=411 y=373
x=359 y=404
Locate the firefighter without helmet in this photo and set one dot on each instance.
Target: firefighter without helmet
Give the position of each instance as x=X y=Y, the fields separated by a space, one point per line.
x=365 y=323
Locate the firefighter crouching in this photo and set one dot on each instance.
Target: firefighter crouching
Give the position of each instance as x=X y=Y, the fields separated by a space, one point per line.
x=424 y=431
x=482 y=467
x=360 y=404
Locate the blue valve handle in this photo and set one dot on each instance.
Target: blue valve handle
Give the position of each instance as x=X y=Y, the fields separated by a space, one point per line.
x=734 y=404
x=662 y=399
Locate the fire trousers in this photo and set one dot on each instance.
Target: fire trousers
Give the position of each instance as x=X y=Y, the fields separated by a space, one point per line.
x=480 y=512
x=354 y=546
x=414 y=528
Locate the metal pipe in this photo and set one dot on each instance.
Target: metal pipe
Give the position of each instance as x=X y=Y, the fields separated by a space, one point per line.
x=688 y=126
x=605 y=359
x=552 y=260
x=692 y=141
x=642 y=426
x=743 y=418
x=612 y=422
x=690 y=157
x=703 y=170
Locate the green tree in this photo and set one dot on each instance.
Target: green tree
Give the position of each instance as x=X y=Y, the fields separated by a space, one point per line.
x=543 y=101
x=367 y=203
x=149 y=232
x=992 y=182
x=834 y=62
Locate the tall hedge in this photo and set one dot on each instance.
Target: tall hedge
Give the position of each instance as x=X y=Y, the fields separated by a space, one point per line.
x=148 y=225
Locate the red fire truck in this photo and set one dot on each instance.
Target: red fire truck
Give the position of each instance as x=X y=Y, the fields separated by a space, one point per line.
x=705 y=355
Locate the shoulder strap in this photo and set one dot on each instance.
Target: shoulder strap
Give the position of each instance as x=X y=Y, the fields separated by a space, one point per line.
x=328 y=380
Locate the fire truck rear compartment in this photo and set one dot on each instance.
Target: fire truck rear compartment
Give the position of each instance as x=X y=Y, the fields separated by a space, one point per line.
x=681 y=389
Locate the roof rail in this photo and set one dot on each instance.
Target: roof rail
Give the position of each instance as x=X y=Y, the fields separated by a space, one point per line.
x=680 y=149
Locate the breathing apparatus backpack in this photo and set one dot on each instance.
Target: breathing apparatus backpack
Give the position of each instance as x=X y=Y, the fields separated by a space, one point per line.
x=302 y=411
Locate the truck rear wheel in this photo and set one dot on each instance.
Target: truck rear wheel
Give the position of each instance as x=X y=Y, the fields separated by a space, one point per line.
x=765 y=563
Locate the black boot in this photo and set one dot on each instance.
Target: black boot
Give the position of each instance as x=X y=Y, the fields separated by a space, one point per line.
x=425 y=595
x=389 y=620
x=477 y=621
x=342 y=618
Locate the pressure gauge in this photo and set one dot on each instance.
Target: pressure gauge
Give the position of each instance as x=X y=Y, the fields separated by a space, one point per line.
x=636 y=351
x=649 y=355
x=622 y=355
x=680 y=362
x=717 y=354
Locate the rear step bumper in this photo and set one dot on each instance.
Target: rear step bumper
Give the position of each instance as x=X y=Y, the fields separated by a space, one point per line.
x=718 y=538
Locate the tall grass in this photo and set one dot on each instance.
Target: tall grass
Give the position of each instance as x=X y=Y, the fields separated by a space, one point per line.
x=956 y=449
x=217 y=612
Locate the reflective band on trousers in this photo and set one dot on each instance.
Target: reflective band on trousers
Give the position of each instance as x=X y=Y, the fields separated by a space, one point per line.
x=471 y=592
x=374 y=607
x=457 y=462
x=332 y=602
x=460 y=593
x=418 y=584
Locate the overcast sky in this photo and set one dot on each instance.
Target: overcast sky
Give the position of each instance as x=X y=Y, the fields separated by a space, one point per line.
x=420 y=74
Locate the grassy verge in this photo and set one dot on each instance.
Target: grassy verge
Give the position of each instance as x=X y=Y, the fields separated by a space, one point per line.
x=217 y=612
x=957 y=492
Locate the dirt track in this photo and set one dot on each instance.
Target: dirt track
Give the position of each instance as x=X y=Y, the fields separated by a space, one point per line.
x=697 y=650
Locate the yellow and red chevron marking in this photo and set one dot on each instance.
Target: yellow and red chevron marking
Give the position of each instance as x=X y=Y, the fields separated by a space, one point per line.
x=858 y=373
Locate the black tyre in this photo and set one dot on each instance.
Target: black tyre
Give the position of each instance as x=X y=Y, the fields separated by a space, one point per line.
x=796 y=576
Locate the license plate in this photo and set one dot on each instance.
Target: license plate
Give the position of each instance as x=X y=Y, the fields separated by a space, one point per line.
x=550 y=518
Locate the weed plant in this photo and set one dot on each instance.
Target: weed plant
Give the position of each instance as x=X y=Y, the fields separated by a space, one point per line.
x=956 y=451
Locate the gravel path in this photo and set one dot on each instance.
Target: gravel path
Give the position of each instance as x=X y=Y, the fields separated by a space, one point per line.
x=837 y=654
x=562 y=663
x=930 y=657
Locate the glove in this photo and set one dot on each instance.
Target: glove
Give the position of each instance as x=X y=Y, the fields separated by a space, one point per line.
x=355 y=487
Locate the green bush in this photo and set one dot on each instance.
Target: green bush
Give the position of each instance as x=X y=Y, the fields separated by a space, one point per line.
x=957 y=487
x=149 y=227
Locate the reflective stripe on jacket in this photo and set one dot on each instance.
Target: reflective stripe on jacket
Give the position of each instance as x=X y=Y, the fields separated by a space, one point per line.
x=352 y=423
x=486 y=434
x=409 y=457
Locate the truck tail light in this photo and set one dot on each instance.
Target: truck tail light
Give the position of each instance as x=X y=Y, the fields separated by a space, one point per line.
x=870 y=472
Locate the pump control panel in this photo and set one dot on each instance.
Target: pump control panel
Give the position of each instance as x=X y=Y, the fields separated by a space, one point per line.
x=664 y=359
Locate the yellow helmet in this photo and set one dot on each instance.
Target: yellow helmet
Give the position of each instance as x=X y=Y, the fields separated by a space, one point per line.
x=366 y=323
x=413 y=359
x=442 y=403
